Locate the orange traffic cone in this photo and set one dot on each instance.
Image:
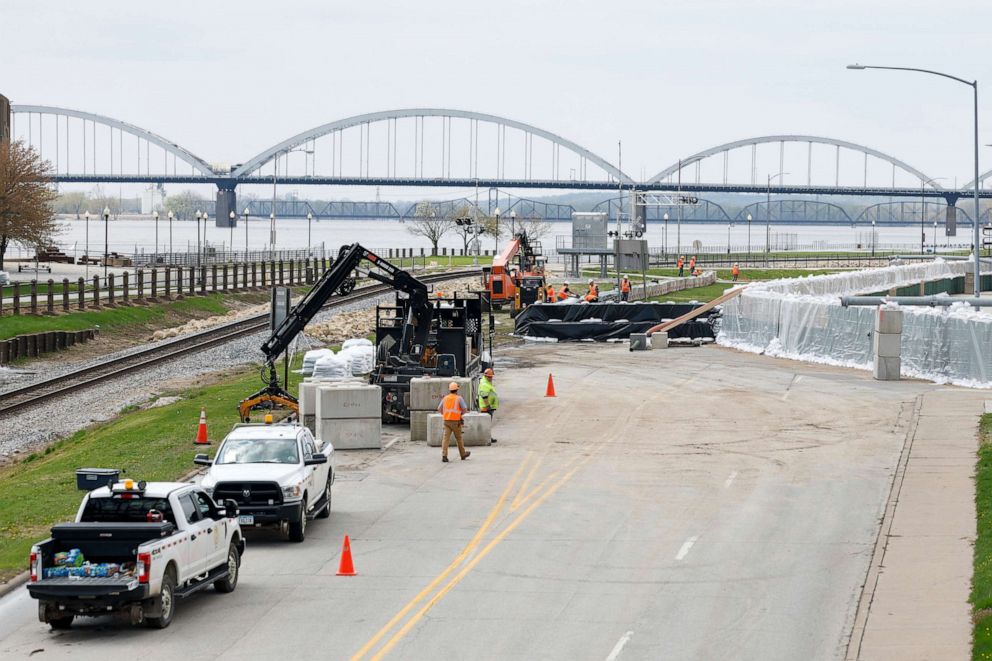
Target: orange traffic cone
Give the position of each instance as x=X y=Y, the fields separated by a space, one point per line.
x=346 y=567
x=201 y=432
x=550 y=392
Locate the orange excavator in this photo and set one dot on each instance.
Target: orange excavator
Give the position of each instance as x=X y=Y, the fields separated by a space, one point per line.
x=517 y=284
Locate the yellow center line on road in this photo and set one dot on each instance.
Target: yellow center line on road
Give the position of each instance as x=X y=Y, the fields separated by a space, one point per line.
x=523 y=485
x=464 y=553
x=391 y=643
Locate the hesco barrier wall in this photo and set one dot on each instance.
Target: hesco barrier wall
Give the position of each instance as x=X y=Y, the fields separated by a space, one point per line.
x=802 y=319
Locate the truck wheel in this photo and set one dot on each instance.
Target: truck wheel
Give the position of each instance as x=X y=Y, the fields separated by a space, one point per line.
x=61 y=623
x=166 y=602
x=326 y=512
x=298 y=528
x=233 y=566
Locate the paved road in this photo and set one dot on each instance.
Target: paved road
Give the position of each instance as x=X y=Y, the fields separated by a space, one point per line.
x=682 y=504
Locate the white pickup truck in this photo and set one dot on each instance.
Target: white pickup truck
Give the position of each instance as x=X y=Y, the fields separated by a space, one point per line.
x=278 y=475
x=133 y=549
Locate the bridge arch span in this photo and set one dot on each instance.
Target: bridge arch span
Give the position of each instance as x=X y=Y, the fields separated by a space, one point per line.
x=807 y=139
x=299 y=139
x=167 y=145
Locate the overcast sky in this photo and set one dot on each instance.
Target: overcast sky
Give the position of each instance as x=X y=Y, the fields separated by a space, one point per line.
x=229 y=79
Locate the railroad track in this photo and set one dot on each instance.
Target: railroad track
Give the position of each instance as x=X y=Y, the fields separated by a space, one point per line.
x=18 y=399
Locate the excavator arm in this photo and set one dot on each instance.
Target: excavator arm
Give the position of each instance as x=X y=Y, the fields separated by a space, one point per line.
x=337 y=279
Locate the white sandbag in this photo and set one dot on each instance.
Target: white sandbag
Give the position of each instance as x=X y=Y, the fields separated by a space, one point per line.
x=356 y=342
x=332 y=368
x=310 y=359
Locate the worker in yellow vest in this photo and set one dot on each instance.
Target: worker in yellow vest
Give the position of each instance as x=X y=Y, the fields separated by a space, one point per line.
x=452 y=408
x=625 y=288
x=488 y=399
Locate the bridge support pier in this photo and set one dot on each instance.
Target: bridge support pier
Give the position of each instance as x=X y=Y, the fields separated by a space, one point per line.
x=227 y=201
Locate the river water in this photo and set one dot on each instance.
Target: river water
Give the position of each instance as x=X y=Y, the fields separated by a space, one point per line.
x=138 y=235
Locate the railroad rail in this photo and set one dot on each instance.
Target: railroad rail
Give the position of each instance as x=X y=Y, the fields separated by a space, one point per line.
x=17 y=399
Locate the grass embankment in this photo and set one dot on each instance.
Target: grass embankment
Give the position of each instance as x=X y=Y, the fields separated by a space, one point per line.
x=116 y=319
x=150 y=444
x=701 y=294
x=981 y=581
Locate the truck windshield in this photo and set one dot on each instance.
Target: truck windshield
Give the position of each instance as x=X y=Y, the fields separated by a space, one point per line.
x=134 y=510
x=258 y=451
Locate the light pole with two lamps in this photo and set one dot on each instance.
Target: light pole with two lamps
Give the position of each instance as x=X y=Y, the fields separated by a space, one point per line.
x=198 y=216
x=976 y=248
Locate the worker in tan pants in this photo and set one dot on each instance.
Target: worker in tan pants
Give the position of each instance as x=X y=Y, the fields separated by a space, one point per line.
x=451 y=408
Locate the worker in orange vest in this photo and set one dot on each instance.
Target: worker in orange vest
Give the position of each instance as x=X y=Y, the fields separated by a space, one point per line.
x=564 y=292
x=692 y=264
x=625 y=288
x=451 y=408
x=736 y=272
x=550 y=294
x=592 y=296
x=681 y=265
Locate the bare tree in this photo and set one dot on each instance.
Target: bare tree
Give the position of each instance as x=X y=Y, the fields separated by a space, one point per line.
x=26 y=198
x=183 y=205
x=536 y=227
x=73 y=202
x=429 y=223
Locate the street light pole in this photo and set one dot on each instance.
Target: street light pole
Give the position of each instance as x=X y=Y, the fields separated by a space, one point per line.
x=729 y=225
x=156 y=234
x=976 y=248
x=106 y=240
x=198 y=214
x=496 y=233
x=232 y=217
x=309 y=220
x=749 y=236
x=664 y=236
x=87 y=216
x=170 y=234
x=768 y=217
x=872 y=237
x=245 y=212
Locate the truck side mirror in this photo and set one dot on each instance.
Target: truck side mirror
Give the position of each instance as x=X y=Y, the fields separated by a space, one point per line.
x=202 y=460
x=317 y=458
x=231 y=508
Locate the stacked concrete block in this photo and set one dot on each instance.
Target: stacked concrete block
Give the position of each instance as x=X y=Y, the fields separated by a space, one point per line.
x=308 y=404
x=886 y=344
x=659 y=340
x=426 y=393
x=348 y=415
x=476 y=431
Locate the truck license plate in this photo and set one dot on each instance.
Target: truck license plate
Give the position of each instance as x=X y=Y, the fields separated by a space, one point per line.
x=246 y=519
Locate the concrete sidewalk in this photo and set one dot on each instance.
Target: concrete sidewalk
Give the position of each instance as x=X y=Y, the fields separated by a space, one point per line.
x=915 y=600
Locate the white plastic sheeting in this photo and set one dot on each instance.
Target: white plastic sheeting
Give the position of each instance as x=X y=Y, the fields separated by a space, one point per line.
x=802 y=319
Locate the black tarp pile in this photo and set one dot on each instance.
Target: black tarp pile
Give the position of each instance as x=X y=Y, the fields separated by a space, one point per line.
x=608 y=321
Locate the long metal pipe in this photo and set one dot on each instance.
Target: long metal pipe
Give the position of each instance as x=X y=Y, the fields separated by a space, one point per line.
x=930 y=301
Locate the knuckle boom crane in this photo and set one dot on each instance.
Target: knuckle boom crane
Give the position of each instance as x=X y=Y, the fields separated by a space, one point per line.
x=408 y=340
